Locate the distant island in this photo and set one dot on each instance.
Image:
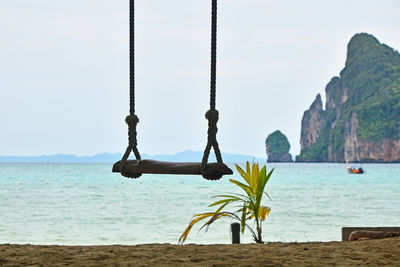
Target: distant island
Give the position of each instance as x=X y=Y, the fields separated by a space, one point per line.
x=361 y=119
x=188 y=155
x=277 y=147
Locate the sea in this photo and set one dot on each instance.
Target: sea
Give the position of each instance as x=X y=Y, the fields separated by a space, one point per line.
x=87 y=204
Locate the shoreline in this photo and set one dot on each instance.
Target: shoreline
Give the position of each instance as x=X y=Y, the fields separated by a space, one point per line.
x=372 y=252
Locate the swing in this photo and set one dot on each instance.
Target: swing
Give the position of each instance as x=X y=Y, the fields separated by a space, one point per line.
x=135 y=168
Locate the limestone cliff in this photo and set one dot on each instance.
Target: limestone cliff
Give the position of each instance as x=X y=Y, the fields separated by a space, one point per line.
x=359 y=150
x=311 y=123
x=277 y=147
x=361 y=120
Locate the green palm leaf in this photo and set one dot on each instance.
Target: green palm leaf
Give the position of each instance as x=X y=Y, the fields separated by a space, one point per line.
x=246 y=188
x=223 y=201
x=243 y=174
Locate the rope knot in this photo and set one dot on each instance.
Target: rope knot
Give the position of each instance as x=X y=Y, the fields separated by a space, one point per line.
x=132 y=119
x=212 y=115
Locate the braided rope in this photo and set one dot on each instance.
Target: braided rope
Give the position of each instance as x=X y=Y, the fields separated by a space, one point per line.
x=213 y=54
x=212 y=115
x=132 y=56
x=132 y=120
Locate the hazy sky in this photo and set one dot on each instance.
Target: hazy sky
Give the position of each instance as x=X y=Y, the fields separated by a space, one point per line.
x=64 y=70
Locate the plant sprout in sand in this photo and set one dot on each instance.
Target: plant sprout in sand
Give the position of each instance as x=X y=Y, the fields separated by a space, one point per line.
x=248 y=204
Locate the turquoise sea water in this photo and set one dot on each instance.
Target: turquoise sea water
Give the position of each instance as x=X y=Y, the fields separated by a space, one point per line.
x=87 y=204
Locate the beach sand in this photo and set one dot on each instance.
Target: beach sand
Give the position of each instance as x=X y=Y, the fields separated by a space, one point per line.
x=384 y=252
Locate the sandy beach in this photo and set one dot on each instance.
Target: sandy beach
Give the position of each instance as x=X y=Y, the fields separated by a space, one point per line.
x=384 y=252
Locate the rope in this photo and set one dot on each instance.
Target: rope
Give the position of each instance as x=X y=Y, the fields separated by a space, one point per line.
x=213 y=53
x=212 y=115
x=132 y=120
x=132 y=56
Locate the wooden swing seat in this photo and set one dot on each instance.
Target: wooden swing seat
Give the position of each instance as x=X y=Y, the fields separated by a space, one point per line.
x=134 y=168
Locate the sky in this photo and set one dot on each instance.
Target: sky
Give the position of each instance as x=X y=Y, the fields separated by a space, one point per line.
x=64 y=70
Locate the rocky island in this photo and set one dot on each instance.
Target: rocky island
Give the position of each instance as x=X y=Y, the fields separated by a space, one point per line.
x=361 y=119
x=277 y=146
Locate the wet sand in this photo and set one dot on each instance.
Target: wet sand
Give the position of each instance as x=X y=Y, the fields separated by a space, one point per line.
x=384 y=252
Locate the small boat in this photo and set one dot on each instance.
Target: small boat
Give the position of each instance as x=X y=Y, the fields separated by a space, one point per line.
x=354 y=170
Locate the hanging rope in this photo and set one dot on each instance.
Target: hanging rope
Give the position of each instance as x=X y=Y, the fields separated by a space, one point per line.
x=132 y=120
x=212 y=114
x=213 y=79
x=132 y=56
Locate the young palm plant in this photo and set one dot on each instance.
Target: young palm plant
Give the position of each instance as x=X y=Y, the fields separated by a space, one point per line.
x=248 y=206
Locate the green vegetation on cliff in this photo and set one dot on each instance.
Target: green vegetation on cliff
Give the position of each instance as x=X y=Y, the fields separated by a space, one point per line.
x=372 y=74
x=277 y=143
x=369 y=89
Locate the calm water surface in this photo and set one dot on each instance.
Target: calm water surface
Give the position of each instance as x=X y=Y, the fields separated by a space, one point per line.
x=87 y=204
